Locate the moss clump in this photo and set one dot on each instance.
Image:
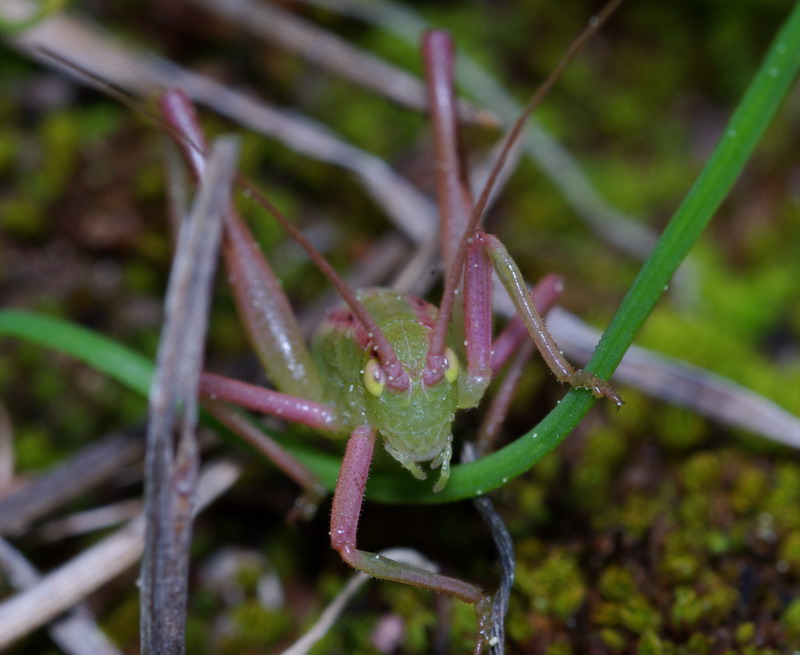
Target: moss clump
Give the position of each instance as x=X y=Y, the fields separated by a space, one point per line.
x=790 y=620
x=635 y=614
x=711 y=605
x=553 y=585
x=616 y=583
x=252 y=625
x=789 y=553
x=651 y=644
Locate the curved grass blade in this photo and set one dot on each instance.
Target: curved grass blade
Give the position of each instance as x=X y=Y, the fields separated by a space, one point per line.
x=118 y=362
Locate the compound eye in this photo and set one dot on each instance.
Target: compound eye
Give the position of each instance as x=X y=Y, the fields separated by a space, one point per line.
x=374 y=381
x=451 y=365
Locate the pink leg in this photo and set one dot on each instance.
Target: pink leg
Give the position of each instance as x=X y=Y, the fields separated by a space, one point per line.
x=509 y=274
x=264 y=309
x=513 y=341
x=259 y=399
x=347 y=500
x=455 y=201
x=313 y=490
x=544 y=296
x=477 y=326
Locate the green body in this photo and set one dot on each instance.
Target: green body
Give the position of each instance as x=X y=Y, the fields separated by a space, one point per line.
x=417 y=424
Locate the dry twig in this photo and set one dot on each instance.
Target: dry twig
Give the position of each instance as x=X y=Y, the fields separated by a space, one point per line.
x=76 y=633
x=89 y=467
x=170 y=466
x=682 y=384
x=69 y=584
x=326 y=50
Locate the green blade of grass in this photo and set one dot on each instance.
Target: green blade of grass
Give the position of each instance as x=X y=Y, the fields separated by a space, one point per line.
x=751 y=117
x=762 y=99
x=118 y=362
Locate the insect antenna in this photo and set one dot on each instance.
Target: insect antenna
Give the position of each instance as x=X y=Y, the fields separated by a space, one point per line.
x=452 y=277
x=395 y=375
x=185 y=131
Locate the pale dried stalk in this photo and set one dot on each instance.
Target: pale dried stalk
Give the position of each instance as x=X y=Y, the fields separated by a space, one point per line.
x=682 y=384
x=143 y=73
x=326 y=50
x=76 y=633
x=89 y=467
x=69 y=584
x=170 y=467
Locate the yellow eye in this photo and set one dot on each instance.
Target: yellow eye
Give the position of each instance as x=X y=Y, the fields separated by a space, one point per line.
x=451 y=367
x=373 y=378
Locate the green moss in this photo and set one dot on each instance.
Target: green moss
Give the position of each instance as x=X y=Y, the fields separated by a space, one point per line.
x=782 y=501
x=519 y=626
x=639 y=511
x=616 y=583
x=634 y=613
x=790 y=619
x=789 y=552
x=681 y=562
x=749 y=489
x=702 y=472
x=699 y=644
x=745 y=632
x=638 y=615
x=687 y=608
x=614 y=640
x=679 y=430
x=35 y=450
x=651 y=644
x=560 y=647
x=22 y=217
x=553 y=586
x=603 y=452
x=711 y=606
x=254 y=625
x=414 y=606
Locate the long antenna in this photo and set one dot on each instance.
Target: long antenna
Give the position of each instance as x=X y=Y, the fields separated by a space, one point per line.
x=452 y=275
x=181 y=120
x=186 y=132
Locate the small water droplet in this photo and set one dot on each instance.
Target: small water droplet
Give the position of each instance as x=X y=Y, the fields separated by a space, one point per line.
x=773 y=72
x=781 y=47
x=731 y=133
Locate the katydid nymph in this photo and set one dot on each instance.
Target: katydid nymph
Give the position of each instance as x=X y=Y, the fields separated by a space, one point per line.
x=381 y=363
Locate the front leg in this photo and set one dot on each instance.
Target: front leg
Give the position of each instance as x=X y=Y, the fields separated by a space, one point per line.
x=512 y=280
x=347 y=500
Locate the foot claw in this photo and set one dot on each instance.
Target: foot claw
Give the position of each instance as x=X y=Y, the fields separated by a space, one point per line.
x=483 y=609
x=598 y=386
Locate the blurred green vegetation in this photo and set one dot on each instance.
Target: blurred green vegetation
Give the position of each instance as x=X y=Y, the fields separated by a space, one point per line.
x=651 y=530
